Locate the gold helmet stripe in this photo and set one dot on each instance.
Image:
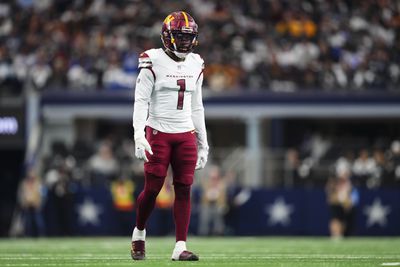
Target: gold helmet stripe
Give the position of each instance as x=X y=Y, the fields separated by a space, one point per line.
x=186 y=19
x=168 y=20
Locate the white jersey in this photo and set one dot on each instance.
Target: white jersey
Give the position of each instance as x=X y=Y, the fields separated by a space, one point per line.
x=168 y=94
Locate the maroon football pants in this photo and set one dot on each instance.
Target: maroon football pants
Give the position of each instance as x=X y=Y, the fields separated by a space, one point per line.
x=179 y=150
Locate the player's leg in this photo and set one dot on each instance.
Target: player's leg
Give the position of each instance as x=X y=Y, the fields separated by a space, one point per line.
x=155 y=171
x=146 y=199
x=183 y=162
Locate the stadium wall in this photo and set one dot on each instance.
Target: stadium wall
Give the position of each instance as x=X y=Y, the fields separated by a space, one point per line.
x=264 y=212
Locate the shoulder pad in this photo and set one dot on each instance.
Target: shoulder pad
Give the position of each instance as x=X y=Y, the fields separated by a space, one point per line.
x=144 y=61
x=198 y=59
x=149 y=57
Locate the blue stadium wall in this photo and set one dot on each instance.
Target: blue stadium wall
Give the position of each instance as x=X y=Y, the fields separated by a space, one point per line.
x=266 y=212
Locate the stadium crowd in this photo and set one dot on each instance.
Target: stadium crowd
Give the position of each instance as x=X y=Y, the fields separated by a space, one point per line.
x=247 y=45
x=321 y=159
x=311 y=163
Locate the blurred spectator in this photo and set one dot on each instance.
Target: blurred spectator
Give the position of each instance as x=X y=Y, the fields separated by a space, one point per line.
x=344 y=164
x=115 y=77
x=394 y=163
x=296 y=26
x=31 y=199
x=314 y=148
x=122 y=191
x=382 y=169
x=10 y=85
x=58 y=171
x=291 y=168
x=58 y=180
x=103 y=166
x=364 y=167
x=222 y=77
x=40 y=71
x=236 y=196
x=342 y=202
x=213 y=203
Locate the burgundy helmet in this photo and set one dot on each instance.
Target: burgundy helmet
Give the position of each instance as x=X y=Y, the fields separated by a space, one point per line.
x=179 y=33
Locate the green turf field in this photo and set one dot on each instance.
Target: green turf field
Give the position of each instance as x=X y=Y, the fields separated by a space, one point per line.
x=224 y=251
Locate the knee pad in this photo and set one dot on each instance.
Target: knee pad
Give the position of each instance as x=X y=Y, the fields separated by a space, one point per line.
x=156 y=169
x=153 y=184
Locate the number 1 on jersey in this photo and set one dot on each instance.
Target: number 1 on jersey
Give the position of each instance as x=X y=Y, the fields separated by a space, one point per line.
x=181 y=93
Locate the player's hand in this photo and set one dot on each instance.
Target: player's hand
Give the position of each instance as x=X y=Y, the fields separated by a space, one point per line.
x=141 y=146
x=202 y=155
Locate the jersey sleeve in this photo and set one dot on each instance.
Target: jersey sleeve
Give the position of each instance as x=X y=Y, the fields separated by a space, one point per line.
x=144 y=88
x=198 y=113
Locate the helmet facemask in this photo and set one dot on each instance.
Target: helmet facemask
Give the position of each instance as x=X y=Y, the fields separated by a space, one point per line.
x=182 y=42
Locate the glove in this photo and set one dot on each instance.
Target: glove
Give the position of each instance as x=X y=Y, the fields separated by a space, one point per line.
x=202 y=155
x=141 y=146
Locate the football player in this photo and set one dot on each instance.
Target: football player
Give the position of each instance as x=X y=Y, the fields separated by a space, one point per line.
x=169 y=127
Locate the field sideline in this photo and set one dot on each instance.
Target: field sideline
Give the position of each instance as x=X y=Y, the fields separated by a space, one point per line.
x=224 y=251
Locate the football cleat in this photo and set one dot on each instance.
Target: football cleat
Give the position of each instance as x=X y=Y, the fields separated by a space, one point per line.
x=138 y=250
x=186 y=256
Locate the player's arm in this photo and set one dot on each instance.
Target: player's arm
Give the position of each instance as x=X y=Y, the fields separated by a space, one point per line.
x=143 y=90
x=199 y=124
x=198 y=115
x=144 y=87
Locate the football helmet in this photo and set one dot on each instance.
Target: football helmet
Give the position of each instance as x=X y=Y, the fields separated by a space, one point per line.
x=179 y=33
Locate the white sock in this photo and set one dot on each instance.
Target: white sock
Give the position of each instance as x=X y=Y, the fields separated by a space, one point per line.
x=180 y=246
x=138 y=234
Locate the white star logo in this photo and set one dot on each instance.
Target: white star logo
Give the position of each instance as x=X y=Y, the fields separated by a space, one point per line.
x=89 y=212
x=377 y=213
x=279 y=212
